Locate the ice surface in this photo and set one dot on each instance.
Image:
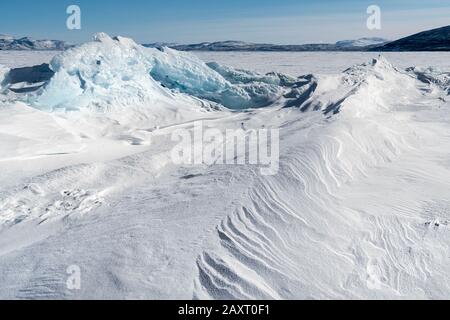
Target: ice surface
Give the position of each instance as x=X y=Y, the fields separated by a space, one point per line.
x=326 y=63
x=18 y=59
x=292 y=63
x=359 y=208
x=3 y=73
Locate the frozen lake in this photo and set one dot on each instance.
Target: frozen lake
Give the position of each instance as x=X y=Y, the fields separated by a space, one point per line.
x=18 y=59
x=298 y=63
x=293 y=63
x=356 y=204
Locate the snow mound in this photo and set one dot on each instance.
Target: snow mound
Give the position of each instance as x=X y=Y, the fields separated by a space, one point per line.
x=371 y=86
x=112 y=73
x=377 y=68
x=358 y=91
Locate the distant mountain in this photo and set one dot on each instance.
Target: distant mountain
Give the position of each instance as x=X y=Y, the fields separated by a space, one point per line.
x=26 y=43
x=223 y=46
x=349 y=45
x=431 y=40
x=363 y=42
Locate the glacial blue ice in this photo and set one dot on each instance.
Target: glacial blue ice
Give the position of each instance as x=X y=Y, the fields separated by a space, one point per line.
x=110 y=73
x=3 y=73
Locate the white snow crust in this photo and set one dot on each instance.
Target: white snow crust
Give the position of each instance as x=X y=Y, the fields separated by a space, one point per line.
x=359 y=209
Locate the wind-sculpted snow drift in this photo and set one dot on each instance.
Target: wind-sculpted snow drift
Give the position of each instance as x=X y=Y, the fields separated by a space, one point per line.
x=308 y=233
x=359 y=207
x=432 y=76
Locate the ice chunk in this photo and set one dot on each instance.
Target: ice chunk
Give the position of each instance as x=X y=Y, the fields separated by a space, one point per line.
x=103 y=74
x=116 y=72
x=188 y=74
x=3 y=74
x=239 y=76
x=432 y=75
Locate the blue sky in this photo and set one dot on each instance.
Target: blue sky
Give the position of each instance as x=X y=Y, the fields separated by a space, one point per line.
x=188 y=21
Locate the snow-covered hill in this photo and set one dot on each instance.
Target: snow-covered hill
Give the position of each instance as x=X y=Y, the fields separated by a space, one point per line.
x=362 y=44
x=358 y=209
x=431 y=40
x=26 y=43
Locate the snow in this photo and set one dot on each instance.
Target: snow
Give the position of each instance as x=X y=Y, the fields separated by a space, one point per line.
x=432 y=75
x=19 y=59
x=359 y=208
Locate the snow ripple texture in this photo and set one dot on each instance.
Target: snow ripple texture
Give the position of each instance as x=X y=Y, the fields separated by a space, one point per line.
x=295 y=237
